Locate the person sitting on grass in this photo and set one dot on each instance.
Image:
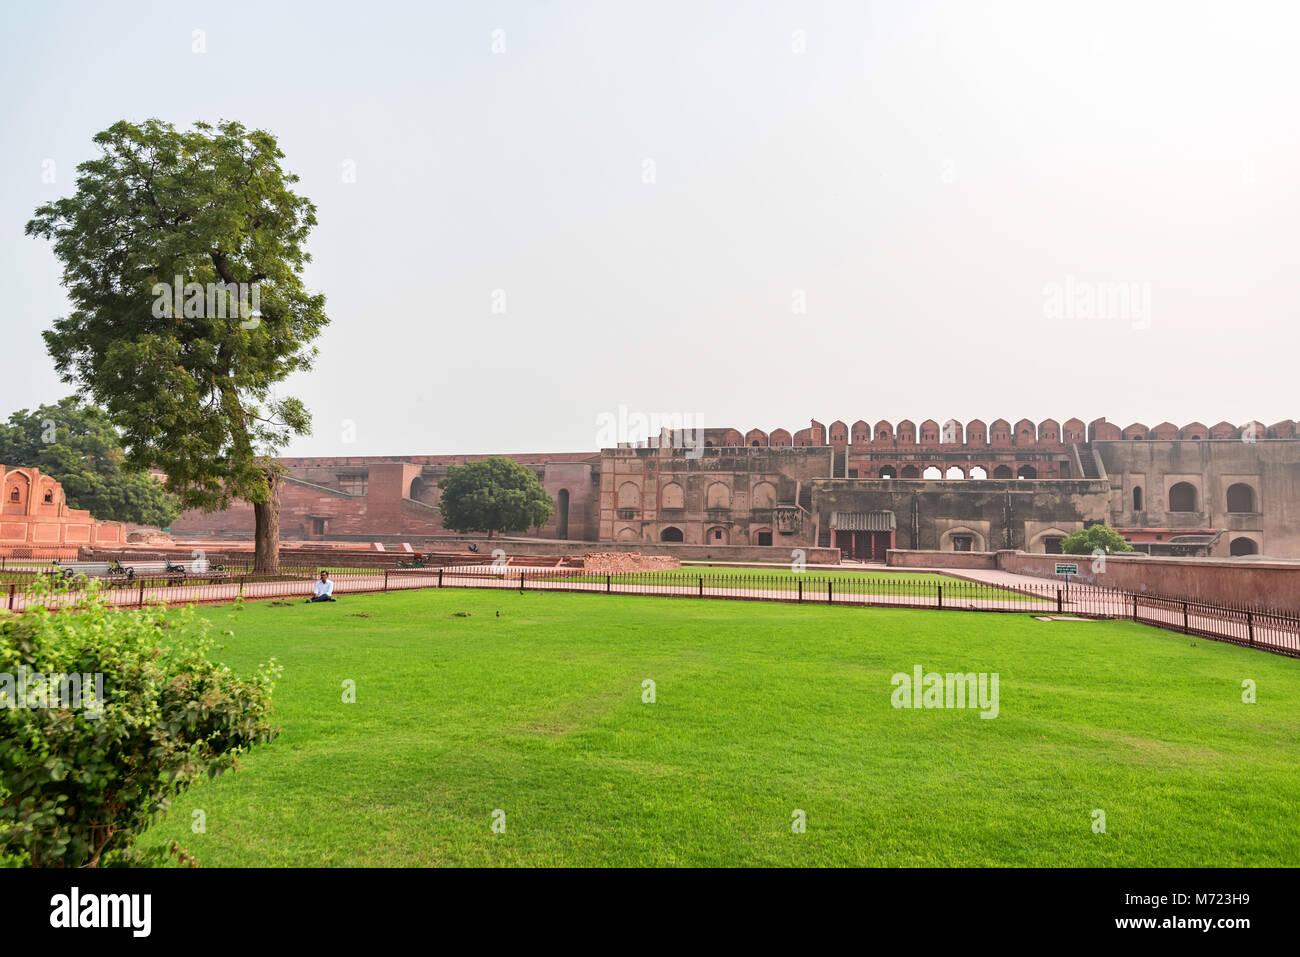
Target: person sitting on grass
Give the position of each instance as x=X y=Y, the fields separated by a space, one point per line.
x=324 y=589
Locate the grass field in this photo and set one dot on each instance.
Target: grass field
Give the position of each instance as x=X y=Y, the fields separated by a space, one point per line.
x=784 y=579
x=760 y=710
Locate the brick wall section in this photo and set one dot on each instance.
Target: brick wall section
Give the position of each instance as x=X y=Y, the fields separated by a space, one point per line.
x=1263 y=584
x=34 y=515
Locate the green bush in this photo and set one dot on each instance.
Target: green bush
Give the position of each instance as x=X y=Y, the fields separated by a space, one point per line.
x=1099 y=537
x=81 y=780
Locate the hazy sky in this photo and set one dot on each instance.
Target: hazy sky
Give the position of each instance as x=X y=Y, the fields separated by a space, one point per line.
x=756 y=213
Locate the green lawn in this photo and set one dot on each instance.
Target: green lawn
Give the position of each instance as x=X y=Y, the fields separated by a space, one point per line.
x=761 y=709
x=921 y=584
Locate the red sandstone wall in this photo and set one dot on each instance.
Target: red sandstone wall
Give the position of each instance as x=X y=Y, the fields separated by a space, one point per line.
x=1262 y=584
x=907 y=558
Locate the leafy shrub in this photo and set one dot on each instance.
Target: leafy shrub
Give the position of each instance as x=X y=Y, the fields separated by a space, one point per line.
x=1087 y=541
x=77 y=789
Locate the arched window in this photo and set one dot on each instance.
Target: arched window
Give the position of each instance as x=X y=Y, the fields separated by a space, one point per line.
x=979 y=472
x=629 y=495
x=670 y=534
x=1241 y=498
x=49 y=497
x=1182 y=498
x=763 y=496
x=1243 y=546
x=954 y=472
x=932 y=473
x=1002 y=472
x=888 y=472
x=1137 y=498
x=1027 y=472
x=672 y=496
x=717 y=496
x=911 y=471
x=14 y=495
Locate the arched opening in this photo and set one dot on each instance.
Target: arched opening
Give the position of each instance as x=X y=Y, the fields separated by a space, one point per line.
x=1137 y=498
x=628 y=535
x=954 y=472
x=716 y=536
x=629 y=496
x=888 y=472
x=961 y=539
x=911 y=471
x=1048 y=541
x=1002 y=472
x=672 y=495
x=1243 y=546
x=671 y=534
x=1182 y=497
x=1241 y=498
x=717 y=496
x=562 y=514
x=979 y=472
x=932 y=472
x=1026 y=472
x=763 y=536
x=763 y=496
x=417 y=488
x=754 y=443
x=49 y=497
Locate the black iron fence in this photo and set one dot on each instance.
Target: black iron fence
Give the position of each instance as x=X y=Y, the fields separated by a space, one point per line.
x=1239 y=624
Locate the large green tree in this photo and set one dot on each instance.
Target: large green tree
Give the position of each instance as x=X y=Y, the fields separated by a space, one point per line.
x=493 y=495
x=77 y=444
x=1089 y=540
x=189 y=384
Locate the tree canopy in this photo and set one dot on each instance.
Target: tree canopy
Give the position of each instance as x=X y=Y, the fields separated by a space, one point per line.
x=493 y=495
x=76 y=444
x=164 y=228
x=1087 y=541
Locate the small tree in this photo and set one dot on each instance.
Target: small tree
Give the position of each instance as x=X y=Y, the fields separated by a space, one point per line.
x=77 y=444
x=169 y=240
x=1087 y=541
x=493 y=495
x=79 y=783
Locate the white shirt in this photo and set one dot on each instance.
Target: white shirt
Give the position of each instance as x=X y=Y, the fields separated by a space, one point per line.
x=325 y=588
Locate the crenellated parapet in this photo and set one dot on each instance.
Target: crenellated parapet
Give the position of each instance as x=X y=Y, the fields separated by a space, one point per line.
x=952 y=435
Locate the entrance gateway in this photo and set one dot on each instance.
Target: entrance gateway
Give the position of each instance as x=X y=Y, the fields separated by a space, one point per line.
x=865 y=536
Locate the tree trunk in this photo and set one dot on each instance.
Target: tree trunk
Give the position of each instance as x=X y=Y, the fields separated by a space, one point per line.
x=266 y=553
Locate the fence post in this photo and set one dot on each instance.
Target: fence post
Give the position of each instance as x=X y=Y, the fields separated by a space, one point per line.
x=940 y=587
x=385 y=579
x=800 y=589
x=608 y=583
x=1059 y=607
x=141 y=592
x=701 y=586
x=1250 y=627
x=12 y=589
x=242 y=579
x=830 y=594
x=1135 y=607
x=1185 y=625
x=521 y=583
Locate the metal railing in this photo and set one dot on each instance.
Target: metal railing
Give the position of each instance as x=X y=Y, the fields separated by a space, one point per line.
x=1272 y=631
